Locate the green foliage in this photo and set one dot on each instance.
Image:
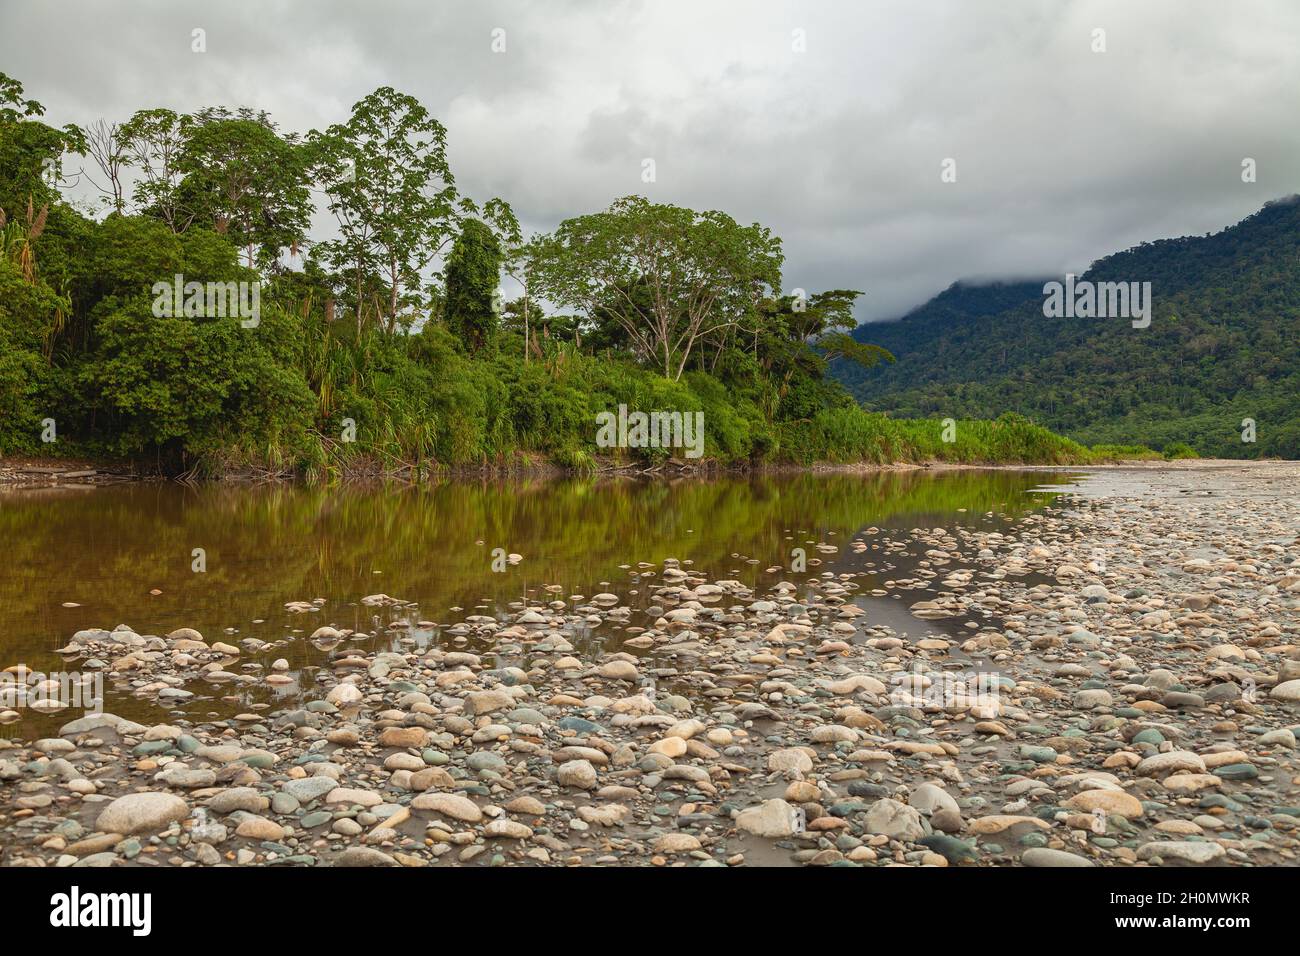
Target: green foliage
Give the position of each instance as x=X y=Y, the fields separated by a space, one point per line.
x=1176 y=450
x=850 y=434
x=189 y=387
x=1125 y=453
x=665 y=279
x=391 y=190
x=473 y=275
x=247 y=182
x=31 y=152
x=27 y=318
x=368 y=359
x=1223 y=346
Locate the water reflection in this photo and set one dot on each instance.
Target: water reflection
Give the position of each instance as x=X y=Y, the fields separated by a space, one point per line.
x=109 y=550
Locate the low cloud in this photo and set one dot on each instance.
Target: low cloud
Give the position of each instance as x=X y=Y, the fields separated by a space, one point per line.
x=1062 y=154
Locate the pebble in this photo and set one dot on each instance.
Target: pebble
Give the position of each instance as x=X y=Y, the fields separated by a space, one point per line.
x=141 y=813
x=1139 y=661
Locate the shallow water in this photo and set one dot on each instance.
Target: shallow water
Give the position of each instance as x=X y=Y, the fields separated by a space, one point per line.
x=105 y=550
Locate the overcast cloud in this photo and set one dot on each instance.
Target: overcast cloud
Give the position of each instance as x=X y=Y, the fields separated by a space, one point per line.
x=1062 y=154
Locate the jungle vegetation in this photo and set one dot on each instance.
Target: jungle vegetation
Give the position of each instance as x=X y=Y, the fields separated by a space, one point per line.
x=389 y=343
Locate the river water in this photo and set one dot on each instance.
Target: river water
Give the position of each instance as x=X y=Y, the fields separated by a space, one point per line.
x=226 y=560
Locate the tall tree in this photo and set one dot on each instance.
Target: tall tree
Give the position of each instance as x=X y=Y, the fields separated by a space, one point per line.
x=31 y=152
x=156 y=139
x=390 y=188
x=110 y=151
x=473 y=281
x=247 y=181
x=798 y=335
x=669 y=277
x=519 y=256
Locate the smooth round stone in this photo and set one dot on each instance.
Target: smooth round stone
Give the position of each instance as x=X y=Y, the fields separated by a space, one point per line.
x=1092 y=699
x=316 y=818
x=580 y=724
x=485 y=760
x=865 y=788
x=1038 y=754
x=1211 y=800
x=309 y=788
x=950 y=848
x=1237 y=771
x=1189 y=851
x=283 y=803
x=141 y=812
x=1042 y=856
x=1221 y=693
x=1278 y=738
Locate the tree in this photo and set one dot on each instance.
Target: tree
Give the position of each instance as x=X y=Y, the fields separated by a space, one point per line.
x=820 y=320
x=391 y=190
x=473 y=278
x=518 y=257
x=668 y=276
x=155 y=140
x=110 y=151
x=12 y=105
x=246 y=181
x=180 y=385
x=30 y=151
x=794 y=338
x=29 y=316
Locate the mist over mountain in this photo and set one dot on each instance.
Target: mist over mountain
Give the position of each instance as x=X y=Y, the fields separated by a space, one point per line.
x=1223 y=346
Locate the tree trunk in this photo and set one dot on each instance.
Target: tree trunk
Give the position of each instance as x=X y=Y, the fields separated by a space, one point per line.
x=392 y=296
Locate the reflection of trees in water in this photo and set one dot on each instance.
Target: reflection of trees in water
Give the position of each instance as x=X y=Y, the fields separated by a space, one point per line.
x=269 y=544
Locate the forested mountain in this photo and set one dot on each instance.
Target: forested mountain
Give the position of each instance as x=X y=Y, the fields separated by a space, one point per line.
x=1223 y=345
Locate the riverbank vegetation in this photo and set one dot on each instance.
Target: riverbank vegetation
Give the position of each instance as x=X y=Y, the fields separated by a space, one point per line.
x=389 y=344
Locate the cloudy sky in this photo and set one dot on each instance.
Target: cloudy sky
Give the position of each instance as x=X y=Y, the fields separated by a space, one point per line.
x=828 y=121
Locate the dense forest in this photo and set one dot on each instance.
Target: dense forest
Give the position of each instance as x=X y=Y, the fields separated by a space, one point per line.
x=187 y=318
x=1223 y=347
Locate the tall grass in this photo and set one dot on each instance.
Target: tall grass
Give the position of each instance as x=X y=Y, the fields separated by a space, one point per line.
x=418 y=404
x=850 y=435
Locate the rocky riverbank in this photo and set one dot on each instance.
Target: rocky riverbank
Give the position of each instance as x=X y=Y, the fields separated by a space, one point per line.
x=1127 y=694
x=28 y=473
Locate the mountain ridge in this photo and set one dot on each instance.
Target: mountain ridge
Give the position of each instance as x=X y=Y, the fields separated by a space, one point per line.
x=1223 y=347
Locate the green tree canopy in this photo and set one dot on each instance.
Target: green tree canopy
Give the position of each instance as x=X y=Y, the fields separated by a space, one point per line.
x=473 y=279
x=669 y=277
